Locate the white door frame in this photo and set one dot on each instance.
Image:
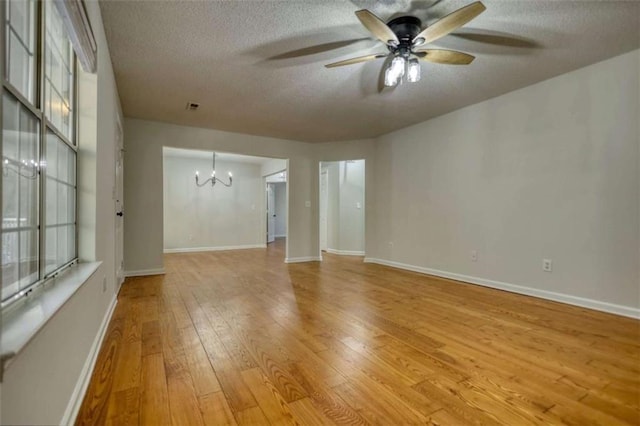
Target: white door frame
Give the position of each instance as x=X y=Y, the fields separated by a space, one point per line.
x=270 y=213
x=286 y=179
x=118 y=197
x=323 y=214
x=323 y=207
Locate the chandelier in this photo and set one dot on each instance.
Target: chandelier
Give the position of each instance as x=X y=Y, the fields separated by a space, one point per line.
x=213 y=179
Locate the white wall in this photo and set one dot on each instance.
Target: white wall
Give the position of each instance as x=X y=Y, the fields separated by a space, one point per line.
x=272 y=166
x=39 y=384
x=548 y=171
x=143 y=196
x=143 y=169
x=280 y=195
x=212 y=217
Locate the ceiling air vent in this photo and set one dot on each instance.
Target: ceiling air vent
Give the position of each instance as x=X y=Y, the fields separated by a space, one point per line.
x=192 y=106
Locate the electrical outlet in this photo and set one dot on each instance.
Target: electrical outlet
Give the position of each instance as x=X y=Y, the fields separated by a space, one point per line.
x=547 y=265
x=390 y=244
x=307 y=203
x=474 y=255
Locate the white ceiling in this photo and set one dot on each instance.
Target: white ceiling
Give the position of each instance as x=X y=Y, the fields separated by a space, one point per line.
x=234 y=58
x=220 y=156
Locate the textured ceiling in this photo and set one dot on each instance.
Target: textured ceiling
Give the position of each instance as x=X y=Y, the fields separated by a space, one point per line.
x=241 y=60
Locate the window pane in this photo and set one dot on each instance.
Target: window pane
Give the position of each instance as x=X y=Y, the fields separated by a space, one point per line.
x=58 y=73
x=63 y=203
x=28 y=258
x=71 y=239
x=20 y=135
x=10 y=160
x=60 y=241
x=29 y=160
x=63 y=247
x=10 y=272
x=10 y=199
x=51 y=206
x=51 y=243
x=63 y=162
x=20 y=38
x=52 y=157
x=71 y=207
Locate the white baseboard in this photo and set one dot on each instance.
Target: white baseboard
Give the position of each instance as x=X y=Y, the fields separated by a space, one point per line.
x=280 y=236
x=612 y=308
x=303 y=259
x=219 y=248
x=73 y=407
x=345 y=252
x=144 y=272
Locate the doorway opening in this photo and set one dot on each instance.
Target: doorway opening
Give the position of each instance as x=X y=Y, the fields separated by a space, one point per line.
x=276 y=207
x=118 y=195
x=342 y=207
x=216 y=201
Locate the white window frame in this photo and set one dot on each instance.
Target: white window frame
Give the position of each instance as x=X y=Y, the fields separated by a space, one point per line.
x=38 y=110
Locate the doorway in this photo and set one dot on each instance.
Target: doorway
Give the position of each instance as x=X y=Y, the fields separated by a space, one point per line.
x=276 y=207
x=118 y=196
x=342 y=207
x=324 y=183
x=215 y=200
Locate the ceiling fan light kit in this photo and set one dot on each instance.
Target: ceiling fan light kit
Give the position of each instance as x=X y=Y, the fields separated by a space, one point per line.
x=413 y=70
x=393 y=74
x=403 y=35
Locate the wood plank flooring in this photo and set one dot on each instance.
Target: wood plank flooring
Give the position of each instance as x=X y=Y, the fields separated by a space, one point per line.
x=239 y=337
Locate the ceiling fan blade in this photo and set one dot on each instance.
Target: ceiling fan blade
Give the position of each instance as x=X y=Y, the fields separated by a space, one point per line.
x=356 y=60
x=450 y=57
x=377 y=27
x=449 y=23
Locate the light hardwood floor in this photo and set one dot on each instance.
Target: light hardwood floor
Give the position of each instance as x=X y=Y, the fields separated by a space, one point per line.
x=240 y=337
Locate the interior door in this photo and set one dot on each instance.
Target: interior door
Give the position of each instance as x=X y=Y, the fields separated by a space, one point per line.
x=118 y=194
x=271 y=214
x=324 y=200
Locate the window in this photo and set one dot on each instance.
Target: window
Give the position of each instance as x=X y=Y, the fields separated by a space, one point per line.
x=38 y=147
x=60 y=203
x=58 y=72
x=20 y=36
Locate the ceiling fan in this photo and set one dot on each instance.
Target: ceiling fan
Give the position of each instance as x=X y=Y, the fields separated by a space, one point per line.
x=404 y=36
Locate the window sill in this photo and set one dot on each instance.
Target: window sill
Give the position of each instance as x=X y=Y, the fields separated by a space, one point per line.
x=21 y=323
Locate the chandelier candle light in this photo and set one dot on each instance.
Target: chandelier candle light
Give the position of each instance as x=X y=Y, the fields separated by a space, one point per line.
x=24 y=168
x=213 y=179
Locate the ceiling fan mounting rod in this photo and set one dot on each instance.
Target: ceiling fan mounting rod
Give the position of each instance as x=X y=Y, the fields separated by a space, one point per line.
x=406 y=28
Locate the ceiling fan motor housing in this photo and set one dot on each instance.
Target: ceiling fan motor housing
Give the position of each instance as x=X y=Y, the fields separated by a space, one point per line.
x=406 y=28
